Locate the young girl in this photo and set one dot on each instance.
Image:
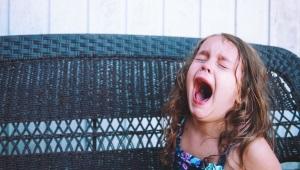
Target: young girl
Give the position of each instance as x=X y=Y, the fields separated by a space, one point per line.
x=218 y=110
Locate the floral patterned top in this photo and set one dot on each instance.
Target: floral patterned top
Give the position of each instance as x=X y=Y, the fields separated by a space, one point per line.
x=187 y=161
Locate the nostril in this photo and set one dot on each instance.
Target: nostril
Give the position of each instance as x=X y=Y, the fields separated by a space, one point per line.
x=204 y=67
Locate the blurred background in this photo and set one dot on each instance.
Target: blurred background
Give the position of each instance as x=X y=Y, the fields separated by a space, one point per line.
x=269 y=22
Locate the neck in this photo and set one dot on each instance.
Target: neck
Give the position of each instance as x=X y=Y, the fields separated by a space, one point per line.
x=205 y=129
x=201 y=138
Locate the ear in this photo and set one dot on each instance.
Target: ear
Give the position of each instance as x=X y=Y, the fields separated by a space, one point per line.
x=238 y=99
x=239 y=79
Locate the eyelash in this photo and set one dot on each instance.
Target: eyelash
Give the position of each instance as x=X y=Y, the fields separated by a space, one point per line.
x=222 y=66
x=203 y=60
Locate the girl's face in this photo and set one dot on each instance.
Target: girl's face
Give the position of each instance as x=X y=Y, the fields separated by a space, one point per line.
x=212 y=79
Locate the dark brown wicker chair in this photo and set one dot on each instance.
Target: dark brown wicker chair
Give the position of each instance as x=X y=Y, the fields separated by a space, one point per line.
x=93 y=101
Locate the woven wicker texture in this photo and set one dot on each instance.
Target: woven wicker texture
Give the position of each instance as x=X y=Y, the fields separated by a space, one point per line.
x=93 y=101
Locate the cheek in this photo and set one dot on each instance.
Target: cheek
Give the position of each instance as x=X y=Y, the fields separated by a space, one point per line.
x=228 y=87
x=190 y=74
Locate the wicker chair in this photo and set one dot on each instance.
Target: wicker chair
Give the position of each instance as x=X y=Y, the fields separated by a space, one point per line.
x=93 y=101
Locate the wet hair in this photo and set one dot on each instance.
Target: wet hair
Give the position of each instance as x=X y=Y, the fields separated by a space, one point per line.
x=244 y=122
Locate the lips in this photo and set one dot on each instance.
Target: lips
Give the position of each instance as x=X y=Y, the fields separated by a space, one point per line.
x=202 y=91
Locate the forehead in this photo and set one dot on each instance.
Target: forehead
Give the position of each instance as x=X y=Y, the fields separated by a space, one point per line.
x=220 y=46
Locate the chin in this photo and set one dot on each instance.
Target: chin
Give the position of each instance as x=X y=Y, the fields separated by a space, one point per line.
x=199 y=114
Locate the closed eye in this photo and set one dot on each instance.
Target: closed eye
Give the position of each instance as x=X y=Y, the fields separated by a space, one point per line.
x=223 y=63
x=200 y=59
x=222 y=66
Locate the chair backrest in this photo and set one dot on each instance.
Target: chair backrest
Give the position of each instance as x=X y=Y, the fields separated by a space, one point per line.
x=90 y=101
x=284 y=84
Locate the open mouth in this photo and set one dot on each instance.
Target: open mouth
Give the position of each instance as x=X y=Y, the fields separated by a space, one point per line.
x=203 y=91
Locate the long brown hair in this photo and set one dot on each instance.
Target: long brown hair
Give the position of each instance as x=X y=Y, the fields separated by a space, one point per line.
x=245 y=121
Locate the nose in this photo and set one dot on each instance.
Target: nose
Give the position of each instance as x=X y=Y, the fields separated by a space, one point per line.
x=206 y=67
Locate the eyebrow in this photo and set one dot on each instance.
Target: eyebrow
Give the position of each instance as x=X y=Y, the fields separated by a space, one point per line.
x=204 y=52
x=225 y=58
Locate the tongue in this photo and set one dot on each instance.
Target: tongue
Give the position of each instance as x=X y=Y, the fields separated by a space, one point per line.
x=199 y=97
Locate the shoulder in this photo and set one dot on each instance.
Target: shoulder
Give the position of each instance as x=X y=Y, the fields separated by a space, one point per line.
x=259 y=155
